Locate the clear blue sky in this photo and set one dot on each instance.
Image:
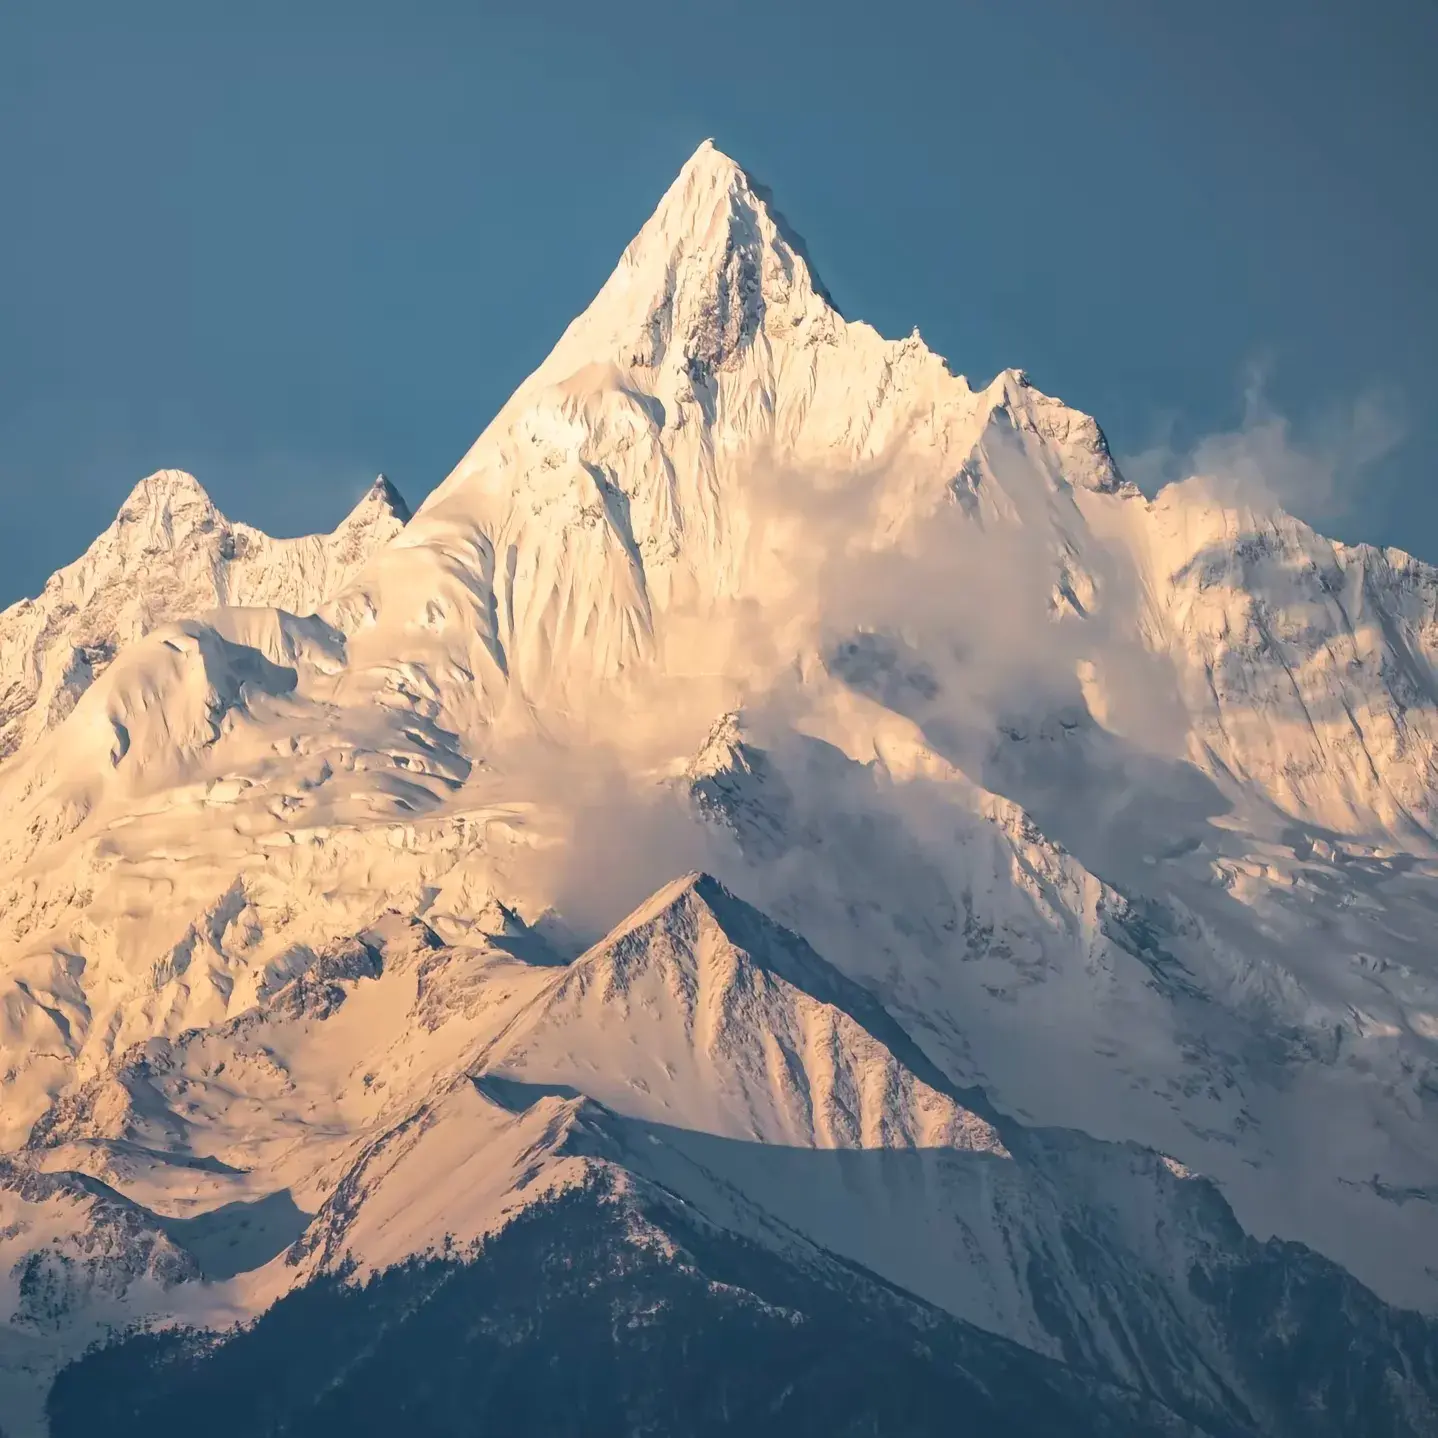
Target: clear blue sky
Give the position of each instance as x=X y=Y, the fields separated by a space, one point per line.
x=287 y=245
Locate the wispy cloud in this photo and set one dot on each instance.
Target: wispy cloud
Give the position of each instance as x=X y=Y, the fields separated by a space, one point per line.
x=1317 y=469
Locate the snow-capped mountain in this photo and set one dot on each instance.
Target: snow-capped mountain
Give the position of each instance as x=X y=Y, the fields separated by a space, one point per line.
x=407 y=1095
x=344 y=918
x=169 y=554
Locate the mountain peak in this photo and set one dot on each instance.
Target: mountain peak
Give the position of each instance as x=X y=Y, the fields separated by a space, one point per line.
x=710 y=185
x=714 y=205
x=703 y=1013
x=169 y=553
x=714 y=264
x=381 y=498
x=687 y=896
x=165 y=490
x=670 y=927
x=709 y=158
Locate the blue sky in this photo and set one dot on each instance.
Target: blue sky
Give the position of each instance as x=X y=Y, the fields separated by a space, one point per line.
x=289 y=245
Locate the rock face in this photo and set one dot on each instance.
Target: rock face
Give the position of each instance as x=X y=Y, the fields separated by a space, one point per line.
x=1112 y=818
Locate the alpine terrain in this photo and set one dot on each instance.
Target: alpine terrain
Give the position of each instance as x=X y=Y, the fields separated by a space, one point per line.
x=789 y=897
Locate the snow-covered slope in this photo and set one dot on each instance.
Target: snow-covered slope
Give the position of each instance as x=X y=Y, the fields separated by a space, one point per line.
x=169 y=554
x=1120 y=811
x=405 y=1096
